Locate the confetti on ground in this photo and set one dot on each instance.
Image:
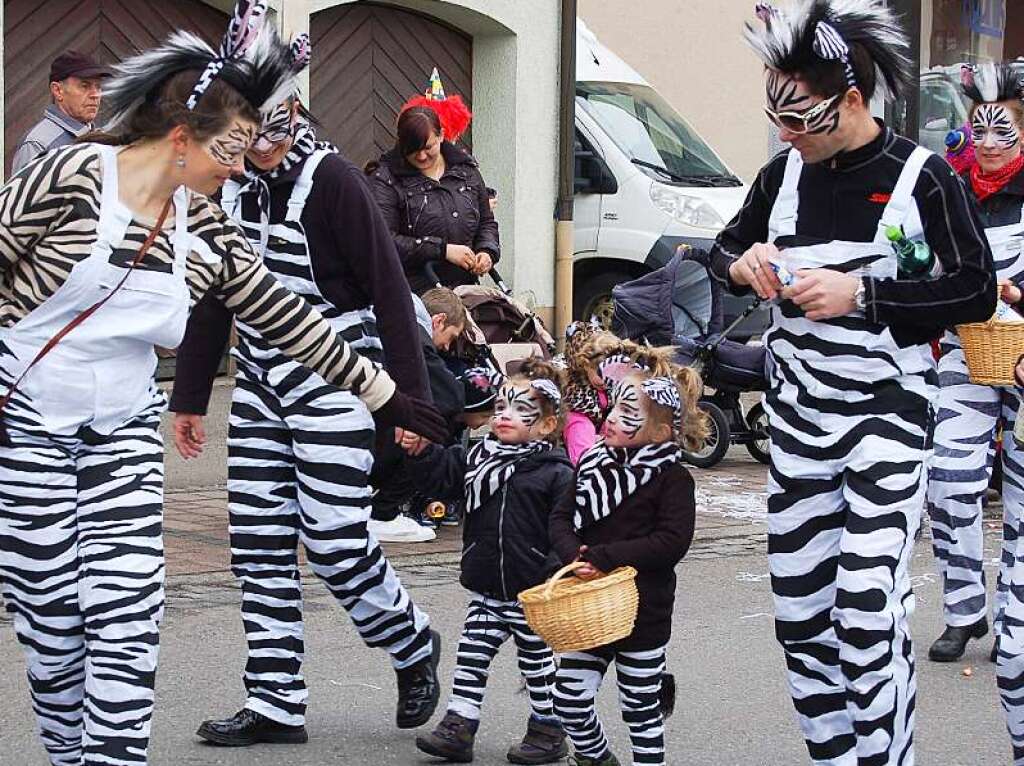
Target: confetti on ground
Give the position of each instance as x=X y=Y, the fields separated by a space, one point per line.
x=916 y=581
x=725 y=496
x=968 y=671
x=357 y=683
x=755 y=614
x=751 y=577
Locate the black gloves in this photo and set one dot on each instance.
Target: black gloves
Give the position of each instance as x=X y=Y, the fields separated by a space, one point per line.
x=416 y=415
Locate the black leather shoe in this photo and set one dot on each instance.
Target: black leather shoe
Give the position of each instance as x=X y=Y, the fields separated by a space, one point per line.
x=247 y=727
x=418 y=688
x=950 y=646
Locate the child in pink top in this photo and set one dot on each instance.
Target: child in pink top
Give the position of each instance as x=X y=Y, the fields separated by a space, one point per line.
x=586 y=398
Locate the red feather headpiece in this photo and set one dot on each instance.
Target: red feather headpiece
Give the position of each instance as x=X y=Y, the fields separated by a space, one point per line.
x=451 y=110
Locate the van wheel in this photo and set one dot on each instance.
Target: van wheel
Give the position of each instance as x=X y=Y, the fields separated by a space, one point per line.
x=593 y=296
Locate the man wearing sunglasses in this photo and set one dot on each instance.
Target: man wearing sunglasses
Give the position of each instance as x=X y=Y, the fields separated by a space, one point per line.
x=300 y=451
x=851 y=371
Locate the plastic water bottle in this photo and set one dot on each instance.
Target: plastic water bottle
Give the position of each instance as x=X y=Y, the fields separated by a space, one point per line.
x=914 y=260
x=1006 y=313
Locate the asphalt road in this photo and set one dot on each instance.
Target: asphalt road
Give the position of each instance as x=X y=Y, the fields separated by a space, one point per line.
x=733 y=708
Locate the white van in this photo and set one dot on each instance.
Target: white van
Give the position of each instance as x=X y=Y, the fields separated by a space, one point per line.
x=645 y=182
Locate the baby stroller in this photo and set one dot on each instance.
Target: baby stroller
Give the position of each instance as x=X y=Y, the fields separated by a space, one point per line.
x=500 y=329
x=680 y=305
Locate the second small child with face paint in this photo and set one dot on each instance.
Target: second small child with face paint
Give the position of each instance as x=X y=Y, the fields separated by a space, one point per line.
x=508 y=482
x=633 y=505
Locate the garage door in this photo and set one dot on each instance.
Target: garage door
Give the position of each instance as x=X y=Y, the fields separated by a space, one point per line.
x=36 y=31
x=368 y=60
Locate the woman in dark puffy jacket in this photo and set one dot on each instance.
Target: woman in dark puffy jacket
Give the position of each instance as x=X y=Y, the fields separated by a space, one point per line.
x=509 y=483
x=436 y=204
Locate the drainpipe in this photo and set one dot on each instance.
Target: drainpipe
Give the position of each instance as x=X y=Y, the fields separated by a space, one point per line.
x=564 y=232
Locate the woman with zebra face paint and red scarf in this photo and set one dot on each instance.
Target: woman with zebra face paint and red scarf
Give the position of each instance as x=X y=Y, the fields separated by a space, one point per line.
x=970 y=415
x=633 y=504
x=508 y=482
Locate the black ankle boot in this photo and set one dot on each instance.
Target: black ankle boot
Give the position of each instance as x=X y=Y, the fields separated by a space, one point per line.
x=418 y=688
x=543 y=743
x=247 y=727
x=950 y=646
x=452 y=739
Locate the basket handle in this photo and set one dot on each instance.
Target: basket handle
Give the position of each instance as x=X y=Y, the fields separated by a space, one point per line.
x=570 y=567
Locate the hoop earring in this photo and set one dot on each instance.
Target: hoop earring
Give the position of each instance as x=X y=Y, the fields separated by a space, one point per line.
x=180 y=162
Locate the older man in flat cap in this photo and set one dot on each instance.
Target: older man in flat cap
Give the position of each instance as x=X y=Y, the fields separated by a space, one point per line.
x=75 y=100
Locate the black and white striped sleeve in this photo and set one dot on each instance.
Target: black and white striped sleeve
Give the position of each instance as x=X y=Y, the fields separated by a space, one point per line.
x=250 y=291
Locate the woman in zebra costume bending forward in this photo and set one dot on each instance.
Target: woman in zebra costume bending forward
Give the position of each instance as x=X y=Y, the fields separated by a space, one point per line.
x=81 y=459
x=970 y=415
x=850 y=367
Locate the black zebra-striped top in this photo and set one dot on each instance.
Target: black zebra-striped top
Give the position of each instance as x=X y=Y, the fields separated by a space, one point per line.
x=48 y=218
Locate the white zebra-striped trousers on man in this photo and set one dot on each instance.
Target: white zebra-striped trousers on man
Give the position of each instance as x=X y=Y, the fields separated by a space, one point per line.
x=846 y=493
x=82 y=566
x=490 y=623
x=966 y=429
x=299 y=458
x=639 y=675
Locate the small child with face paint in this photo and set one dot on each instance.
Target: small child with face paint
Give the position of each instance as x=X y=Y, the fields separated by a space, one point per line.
x=586 y=395
x=508 y=483
x=633 y=505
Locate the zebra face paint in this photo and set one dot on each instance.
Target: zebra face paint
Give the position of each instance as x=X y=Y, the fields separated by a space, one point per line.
x=275 y=136
x=518 y=415
x=810 y=123
x=625 y=426
x=996 y=136
x=206 y=166
x=228 y=148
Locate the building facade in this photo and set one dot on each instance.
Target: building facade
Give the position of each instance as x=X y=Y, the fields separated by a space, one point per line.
x=368 y=58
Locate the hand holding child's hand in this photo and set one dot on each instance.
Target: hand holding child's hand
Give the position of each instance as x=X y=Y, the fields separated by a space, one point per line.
x=587 y=571
x=412 y=443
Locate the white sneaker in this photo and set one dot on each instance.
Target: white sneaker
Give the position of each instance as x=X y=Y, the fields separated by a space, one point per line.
x=401 y=529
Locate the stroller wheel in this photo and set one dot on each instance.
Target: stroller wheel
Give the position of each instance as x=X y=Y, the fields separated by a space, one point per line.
x=760 y=445
x=717 y=443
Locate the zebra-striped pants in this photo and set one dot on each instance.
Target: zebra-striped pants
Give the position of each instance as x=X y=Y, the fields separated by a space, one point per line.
x=965 y=433
x=489 y=624
x=841 y=528
x=298 y=468
x=82 y=566
x=638 y=674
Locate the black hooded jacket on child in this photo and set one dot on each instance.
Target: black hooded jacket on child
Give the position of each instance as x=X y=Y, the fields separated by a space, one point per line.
x=505 y=539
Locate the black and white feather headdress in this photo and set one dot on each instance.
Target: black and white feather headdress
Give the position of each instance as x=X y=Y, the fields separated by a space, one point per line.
x=251 y=59
x=989 y=82
x=797 y=38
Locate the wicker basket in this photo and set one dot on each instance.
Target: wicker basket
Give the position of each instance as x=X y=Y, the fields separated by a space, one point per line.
x=992 y=349
x=574 y=615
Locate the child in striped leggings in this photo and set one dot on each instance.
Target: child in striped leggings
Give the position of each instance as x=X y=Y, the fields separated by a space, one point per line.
x=509 y=482
x=633 y=505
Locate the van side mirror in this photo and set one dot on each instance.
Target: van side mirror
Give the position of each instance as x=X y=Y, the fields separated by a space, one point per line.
x=592 y=175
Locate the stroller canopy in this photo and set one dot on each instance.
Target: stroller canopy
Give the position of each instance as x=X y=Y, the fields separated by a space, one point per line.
x=679 y=300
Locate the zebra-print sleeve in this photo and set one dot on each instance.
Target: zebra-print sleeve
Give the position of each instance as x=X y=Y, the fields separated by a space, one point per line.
x=298 y=330
x=38 y=199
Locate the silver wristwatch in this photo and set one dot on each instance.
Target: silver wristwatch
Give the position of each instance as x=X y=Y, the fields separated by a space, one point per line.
x=860 y=297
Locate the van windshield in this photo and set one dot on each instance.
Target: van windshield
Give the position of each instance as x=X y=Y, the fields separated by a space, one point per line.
x=652 y=134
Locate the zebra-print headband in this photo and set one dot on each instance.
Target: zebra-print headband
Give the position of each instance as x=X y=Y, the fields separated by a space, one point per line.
x=831 y=46
x=664 y=391
x=243 y=29
x=484 y=377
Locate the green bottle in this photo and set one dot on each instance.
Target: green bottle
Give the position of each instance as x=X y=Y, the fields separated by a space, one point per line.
x=914 y=260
